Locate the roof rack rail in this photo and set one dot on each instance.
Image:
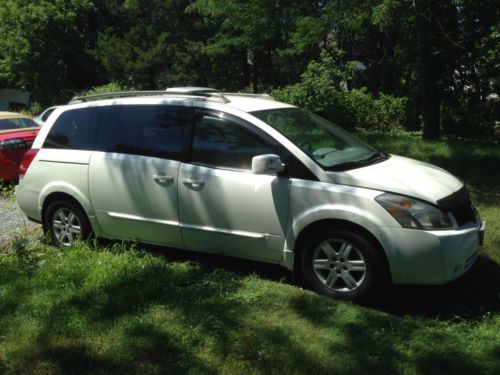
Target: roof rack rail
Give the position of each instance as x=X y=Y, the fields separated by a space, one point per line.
x=203 y=94
x=257 y=96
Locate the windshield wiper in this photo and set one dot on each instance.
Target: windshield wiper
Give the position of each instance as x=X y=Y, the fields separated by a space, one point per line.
x=375 y=157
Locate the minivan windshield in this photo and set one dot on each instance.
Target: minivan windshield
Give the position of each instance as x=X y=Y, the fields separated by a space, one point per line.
x=329 y=145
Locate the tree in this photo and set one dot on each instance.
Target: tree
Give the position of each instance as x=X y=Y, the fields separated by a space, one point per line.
x=253 y=38
x=44 y=46
x=150 y=44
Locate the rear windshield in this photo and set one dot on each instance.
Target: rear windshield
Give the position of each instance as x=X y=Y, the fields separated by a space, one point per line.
x=16 y=123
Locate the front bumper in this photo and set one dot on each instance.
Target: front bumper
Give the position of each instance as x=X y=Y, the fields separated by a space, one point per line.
x=429 y=257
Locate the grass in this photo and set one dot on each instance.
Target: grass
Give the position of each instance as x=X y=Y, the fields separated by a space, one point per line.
x=121 y=309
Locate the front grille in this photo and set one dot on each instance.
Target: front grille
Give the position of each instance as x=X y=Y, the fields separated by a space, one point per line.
x=464 y=214
x=460 y=206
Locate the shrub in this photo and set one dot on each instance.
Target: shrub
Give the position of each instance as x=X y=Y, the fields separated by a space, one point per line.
x=109 y=87
x=319 y=91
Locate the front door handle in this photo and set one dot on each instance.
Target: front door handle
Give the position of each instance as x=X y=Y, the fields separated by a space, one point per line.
x=162 y=179
x=193 y=182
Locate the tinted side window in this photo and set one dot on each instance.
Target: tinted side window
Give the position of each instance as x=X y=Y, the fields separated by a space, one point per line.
x=147 y=130
x=74 y=129
x=220 y=142
x=47 y=114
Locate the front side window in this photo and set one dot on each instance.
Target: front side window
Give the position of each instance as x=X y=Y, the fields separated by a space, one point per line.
x=221 y=142
x=329 y=145
x=75 y=129
x=146 y=130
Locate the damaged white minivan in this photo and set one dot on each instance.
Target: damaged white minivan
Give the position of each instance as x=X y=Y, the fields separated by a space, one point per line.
x=247 y=176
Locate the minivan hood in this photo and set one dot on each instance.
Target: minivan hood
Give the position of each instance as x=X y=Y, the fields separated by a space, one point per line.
x=402 y=176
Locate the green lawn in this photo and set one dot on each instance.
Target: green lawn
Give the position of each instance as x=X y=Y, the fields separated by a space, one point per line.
x=122 y=310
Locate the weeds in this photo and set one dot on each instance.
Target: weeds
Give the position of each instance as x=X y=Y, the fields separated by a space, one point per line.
x=7 y=190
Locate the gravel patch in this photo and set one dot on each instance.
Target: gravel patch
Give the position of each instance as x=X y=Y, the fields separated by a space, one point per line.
x=12 y=218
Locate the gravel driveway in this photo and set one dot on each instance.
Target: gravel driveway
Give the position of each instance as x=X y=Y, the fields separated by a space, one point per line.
x=11 y=218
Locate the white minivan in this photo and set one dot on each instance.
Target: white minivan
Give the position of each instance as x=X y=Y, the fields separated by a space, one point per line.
x=247 y=176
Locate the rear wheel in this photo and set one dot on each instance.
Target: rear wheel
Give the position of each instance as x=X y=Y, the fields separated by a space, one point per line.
x=342 y=264
x=66 y=223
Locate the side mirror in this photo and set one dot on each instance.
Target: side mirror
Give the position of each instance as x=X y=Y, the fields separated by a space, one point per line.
x=267 y=164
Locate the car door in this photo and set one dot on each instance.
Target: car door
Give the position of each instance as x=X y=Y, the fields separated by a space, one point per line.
x=223 y=207
x=133 y=175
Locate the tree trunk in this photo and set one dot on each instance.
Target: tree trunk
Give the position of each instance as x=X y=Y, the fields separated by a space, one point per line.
x=431 y=103
x=428 y=68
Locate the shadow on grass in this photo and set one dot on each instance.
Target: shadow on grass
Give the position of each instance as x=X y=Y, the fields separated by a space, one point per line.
x=471 y=296
x=268 y=271
x=160 y=315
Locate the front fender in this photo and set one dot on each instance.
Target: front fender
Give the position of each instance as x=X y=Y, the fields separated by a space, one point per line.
x=312 y=202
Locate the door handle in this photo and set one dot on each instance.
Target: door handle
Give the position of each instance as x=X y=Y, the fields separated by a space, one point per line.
x=193 y=182
x=162 y=179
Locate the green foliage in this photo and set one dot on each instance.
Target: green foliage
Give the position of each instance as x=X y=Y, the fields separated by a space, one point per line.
x=107 y=88
x=319 y=91
x=43 y=45
x=36 y=108
x=435 y=60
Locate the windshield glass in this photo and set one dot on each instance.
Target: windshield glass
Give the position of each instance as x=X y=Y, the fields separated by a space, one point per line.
x=325 y=142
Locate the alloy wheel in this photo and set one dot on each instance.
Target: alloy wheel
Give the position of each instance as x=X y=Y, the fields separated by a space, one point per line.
x=339 y=265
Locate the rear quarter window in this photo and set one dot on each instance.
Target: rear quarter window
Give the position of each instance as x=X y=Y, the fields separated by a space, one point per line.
x=75 y=129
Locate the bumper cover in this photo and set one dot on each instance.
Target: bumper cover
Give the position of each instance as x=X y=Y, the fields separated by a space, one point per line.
x=429 y=257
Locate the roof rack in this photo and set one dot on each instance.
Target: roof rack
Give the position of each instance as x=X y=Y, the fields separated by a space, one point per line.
x=188 y=92
x=257 y=96
x=201 y=94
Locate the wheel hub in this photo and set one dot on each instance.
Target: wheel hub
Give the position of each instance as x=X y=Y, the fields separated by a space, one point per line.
x=339 y=265
x=66 y=226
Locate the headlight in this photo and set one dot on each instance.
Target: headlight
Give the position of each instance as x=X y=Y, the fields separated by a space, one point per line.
x=414 y=214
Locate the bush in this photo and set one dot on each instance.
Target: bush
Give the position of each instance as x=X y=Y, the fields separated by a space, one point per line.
x=104 y=89
x=318 y=91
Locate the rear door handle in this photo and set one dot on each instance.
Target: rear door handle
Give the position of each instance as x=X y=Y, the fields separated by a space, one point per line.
x=193 y=183
x=162 y=178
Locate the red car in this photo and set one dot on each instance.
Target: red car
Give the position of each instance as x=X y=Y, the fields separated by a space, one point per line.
x=17 y=133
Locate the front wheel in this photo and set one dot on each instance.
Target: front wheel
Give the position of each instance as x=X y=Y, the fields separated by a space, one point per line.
x=67 y=223
x=342 y=264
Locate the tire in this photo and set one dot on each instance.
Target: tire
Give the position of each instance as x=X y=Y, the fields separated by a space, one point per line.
x=343 y=264
x=66 y=223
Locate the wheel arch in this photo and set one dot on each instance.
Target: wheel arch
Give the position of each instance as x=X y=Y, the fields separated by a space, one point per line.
x=310 y=229
x=52 y=197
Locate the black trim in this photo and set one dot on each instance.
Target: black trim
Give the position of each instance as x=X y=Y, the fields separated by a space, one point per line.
x=63 y=162
x=458 y=198
x=460 y=206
